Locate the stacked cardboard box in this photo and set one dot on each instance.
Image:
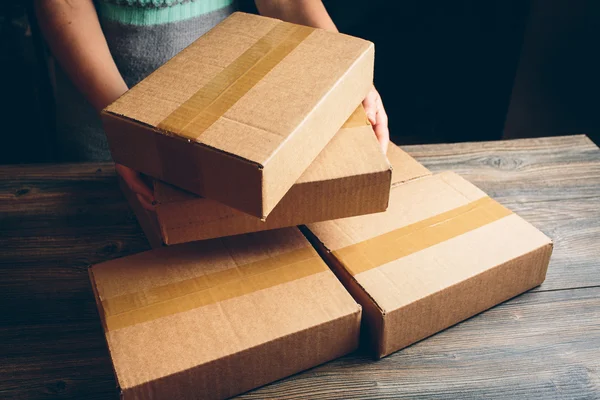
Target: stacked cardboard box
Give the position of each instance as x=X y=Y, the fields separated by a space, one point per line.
x=442 y=252
x=350 y=177
x=216 y=318
x=241 y=113
x=239 y=133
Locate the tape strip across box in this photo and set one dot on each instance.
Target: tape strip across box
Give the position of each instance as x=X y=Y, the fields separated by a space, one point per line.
x=216 y=318
x=240 y=114
x=350 y=177
x=442 y=252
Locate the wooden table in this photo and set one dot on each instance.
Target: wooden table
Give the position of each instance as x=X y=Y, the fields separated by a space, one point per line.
x=56 y=220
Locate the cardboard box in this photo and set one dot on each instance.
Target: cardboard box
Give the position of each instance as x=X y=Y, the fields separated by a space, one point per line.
x=441 y=253
x=216 y=318
x=241 y=113
x=350 y=177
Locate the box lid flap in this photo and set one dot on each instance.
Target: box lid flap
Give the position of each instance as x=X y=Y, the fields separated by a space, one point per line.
x=405 y=168
x=171 y=309
x=245 y=86
x=437 y=231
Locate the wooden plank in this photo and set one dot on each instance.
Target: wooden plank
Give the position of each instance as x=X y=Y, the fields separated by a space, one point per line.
x=56 y=360
x=574 y=227
x=523 y=170
x=554 y=183
x=56 y=220
x=538 y=346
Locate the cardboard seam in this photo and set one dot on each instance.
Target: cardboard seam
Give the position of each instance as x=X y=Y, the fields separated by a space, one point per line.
x=293 y=32
x=163 y=232
x=343 y=232
x=442 y=176
x=188 y=224
x=251 y=126
x=331 y=261
x=485 y=194
x=416 y=178
x=383 y=343
x=322 y=99
x=366 y=176
x=328 y=257
x=158 y=131
x=279 y=338
x=179 y=203
x=383 y=311
x=100 y=310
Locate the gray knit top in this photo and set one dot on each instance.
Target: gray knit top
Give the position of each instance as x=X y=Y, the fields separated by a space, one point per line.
x=142 y=35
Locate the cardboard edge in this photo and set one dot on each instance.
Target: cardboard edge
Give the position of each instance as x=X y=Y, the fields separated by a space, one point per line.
x=390 y=174
x=149 y=223
x=100 y=311
x=380 y=179
x=364 y=60
x=128 y=136
x=395 y=154
x=416 y=178
x=351 y=320
x=377 y=180
x=111 y=114
x=455 y=180
x=373 y=316
x=535 y=283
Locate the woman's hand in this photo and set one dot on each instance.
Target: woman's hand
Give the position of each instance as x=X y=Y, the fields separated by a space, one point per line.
x=136 y=184
x=378 y=118
x=313 y=13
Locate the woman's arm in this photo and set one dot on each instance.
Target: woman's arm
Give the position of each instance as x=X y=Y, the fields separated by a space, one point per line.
x=73 y=33
x=302 y=12
x=313 y=13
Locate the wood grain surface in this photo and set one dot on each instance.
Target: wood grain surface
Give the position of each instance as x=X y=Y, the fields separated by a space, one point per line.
x=56 y=220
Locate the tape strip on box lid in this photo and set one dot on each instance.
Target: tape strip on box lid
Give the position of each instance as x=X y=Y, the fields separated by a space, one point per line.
x=211 y=101
x=402 y=242
x=162 y=301
x=357 y=119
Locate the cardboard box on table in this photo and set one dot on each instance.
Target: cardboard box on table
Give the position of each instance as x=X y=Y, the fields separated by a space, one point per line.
x=350 y=177
x=441 y=253
x=215 y=318
x=240 y=114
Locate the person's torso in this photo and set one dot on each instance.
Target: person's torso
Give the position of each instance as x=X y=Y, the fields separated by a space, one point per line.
x=144 y=34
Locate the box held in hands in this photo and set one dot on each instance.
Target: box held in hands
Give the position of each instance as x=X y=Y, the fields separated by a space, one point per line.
x=242 y=112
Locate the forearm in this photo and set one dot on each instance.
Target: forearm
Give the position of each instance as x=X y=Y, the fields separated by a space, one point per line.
x=303 y=12
x=74 y=35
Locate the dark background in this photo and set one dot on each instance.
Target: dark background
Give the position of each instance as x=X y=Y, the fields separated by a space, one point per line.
x=447 y=71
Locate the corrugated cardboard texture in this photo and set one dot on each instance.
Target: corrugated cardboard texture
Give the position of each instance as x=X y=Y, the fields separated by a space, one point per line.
x=405 y=168
x=215 y=318
x=432 y=275
x=350 y=177
x=229 y=119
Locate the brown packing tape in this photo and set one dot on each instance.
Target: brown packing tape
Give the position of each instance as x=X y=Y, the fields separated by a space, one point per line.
x=211 y=101
x=162 y=301
x=357 y=119
x=380 y=250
